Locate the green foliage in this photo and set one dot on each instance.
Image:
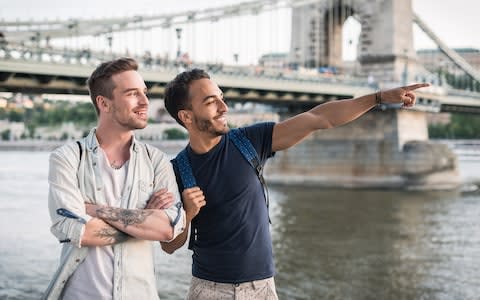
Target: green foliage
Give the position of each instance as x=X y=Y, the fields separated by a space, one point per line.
x=174 y=134
x=82 y=114
x=15 y=115
x=462 y=82
x=5 y=135
x=31 y=130
x=461 y=126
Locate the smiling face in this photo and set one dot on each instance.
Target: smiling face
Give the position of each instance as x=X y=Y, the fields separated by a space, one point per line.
x=208 y=109
x=128 y=107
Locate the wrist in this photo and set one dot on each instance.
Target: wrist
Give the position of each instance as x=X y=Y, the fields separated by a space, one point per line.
x=189 y=216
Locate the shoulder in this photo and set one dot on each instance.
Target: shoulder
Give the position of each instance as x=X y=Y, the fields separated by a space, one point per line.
x=67 y=150
x=258 y=130
x=67 y=155
x=258 y=127
x=154 y=153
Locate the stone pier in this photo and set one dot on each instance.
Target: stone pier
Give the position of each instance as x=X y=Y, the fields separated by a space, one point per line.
x=382 y=149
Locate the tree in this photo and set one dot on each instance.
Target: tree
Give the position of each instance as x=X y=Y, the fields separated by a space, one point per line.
x=6 y=135
x=15 y=115
x=461 y=126
x=174 y=134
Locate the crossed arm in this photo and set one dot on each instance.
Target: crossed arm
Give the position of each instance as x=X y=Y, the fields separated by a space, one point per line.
x=111 y=225
x=82 y=227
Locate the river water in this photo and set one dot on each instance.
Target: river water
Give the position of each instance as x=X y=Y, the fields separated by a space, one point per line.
x=328 y=244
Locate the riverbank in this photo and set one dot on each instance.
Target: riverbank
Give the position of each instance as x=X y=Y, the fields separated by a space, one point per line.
x=467 y=151
x=169 y=147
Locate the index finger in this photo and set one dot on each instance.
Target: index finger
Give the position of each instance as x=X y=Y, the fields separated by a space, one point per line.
x=415 y=86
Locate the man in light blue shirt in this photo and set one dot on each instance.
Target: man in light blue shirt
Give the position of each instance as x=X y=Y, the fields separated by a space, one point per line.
x=111 y=195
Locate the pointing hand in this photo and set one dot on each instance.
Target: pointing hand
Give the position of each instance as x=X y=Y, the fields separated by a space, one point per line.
x=404 y=94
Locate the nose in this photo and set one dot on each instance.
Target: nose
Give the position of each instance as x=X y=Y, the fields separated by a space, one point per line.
x=143 y=99
x=222 y=106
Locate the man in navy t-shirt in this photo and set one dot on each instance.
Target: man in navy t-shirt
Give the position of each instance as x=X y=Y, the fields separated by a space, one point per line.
x=230 y=235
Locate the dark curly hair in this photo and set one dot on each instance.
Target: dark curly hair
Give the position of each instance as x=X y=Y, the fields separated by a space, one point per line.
x=177 y=92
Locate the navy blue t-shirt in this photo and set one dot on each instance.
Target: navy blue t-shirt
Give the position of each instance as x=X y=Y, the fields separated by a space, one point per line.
x=231 y=236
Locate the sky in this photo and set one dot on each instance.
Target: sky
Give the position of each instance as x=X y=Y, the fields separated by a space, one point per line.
x=456 y=22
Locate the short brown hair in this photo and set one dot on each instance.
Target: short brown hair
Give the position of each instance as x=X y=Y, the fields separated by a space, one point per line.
x=100 y=82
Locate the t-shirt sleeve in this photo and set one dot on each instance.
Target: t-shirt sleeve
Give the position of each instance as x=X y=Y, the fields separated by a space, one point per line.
x=260 y=135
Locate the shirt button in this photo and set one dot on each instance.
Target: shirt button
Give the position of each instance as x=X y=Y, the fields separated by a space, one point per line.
x=99 y=188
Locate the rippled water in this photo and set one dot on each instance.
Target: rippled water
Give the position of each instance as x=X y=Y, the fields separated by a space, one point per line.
x=328 y=244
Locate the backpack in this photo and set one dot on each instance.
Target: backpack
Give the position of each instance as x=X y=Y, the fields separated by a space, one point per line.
x=243 y=144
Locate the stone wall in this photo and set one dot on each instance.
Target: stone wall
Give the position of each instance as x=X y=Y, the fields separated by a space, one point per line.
x=387 y=149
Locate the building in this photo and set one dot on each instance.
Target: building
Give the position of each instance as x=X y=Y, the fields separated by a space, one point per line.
x=434 y=59
x=274 y=60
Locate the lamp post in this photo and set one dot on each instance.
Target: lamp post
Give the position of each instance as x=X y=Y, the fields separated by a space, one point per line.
x=179 y=36
x=297 y=58
x=405 y=68
x=110 y=43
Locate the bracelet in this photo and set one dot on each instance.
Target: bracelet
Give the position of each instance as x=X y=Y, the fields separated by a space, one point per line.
x=378 y=97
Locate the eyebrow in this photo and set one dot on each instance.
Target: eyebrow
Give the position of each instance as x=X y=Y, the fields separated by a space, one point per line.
x=211 y=96
x=133 y=89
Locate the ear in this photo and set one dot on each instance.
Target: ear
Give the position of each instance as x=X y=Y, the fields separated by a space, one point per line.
x=185 y=116
x=103 y=104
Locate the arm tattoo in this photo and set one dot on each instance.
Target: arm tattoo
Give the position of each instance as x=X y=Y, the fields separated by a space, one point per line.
x=125 y=216
x=112 y=235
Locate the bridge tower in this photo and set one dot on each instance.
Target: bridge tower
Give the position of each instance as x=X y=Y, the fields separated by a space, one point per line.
x=386 y=42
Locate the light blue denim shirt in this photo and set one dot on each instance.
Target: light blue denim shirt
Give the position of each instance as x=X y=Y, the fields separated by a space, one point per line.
x=74 y=182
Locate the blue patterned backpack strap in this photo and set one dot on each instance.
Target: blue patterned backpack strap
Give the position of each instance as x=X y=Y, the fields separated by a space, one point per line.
x=250 y=154
x=184 y=169
x=182 y=163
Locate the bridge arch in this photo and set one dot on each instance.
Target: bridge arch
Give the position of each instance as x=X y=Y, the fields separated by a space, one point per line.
x=385 y=43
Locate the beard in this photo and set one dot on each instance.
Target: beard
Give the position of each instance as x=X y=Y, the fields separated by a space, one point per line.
x=205 y=125
x=130 y=122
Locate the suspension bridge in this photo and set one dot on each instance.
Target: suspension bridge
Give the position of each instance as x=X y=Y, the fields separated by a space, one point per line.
x=385 y=148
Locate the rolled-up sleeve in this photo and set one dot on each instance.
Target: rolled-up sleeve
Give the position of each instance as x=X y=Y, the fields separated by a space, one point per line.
x=64 y=193
x=165 y=178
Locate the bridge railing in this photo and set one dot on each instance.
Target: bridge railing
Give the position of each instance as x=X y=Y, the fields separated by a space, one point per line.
x=92 y=58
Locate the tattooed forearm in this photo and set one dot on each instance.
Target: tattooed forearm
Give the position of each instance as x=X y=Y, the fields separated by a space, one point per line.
x=112 y=235
x=125 y=216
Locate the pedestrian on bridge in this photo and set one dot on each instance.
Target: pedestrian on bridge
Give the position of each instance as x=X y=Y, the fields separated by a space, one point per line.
x=220 y=176
x=111 y=195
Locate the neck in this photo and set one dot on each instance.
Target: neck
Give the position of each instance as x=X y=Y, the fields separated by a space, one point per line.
x=202 y=143
x=114 y=140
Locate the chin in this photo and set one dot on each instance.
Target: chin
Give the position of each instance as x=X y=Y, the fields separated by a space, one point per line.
x=139 y=125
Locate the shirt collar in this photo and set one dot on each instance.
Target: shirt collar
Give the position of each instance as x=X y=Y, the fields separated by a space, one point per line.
x=92 y=144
